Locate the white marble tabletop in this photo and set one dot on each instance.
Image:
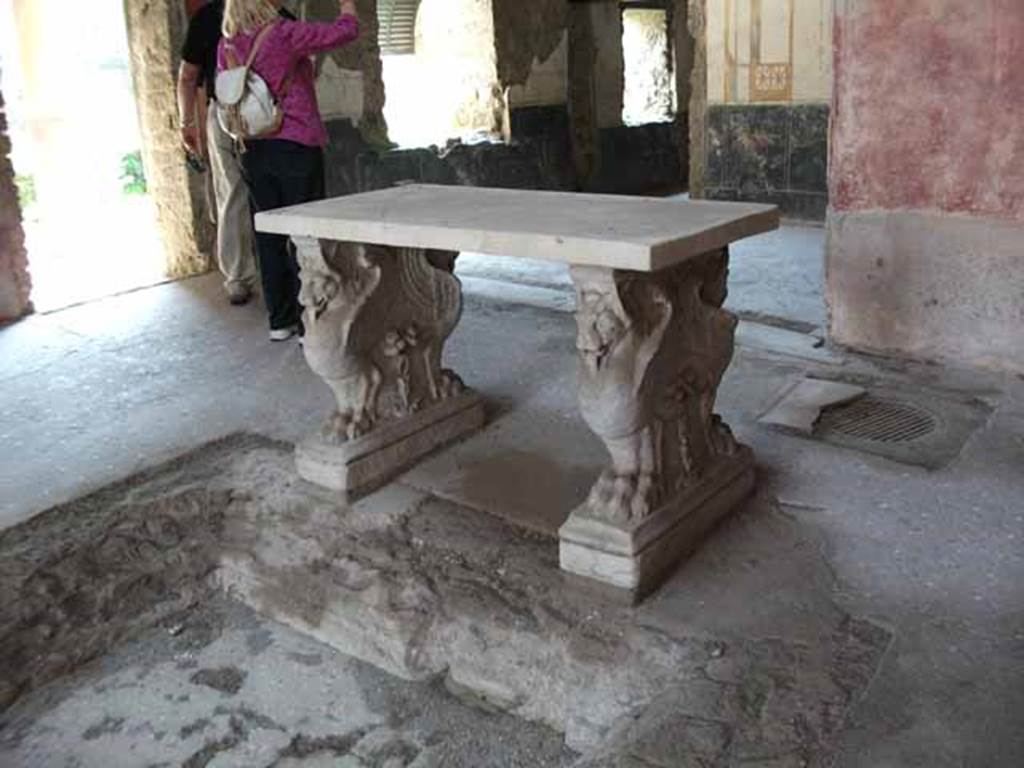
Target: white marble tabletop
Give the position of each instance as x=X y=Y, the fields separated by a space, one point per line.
x=634 y=233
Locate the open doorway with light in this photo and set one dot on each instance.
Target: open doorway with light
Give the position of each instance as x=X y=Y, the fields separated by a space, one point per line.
x=90 y=226
x=439 y=71
x=649 y=80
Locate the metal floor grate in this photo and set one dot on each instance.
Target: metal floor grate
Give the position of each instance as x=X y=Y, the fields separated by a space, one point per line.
x=878 y=420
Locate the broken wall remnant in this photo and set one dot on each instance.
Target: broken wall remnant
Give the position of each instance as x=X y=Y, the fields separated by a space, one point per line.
x=924 y=254
x=528 y=97
x=156 y=31
x=531 y=42
x=548 y=81
x=350 y=80
x=15 y=282
x=524 y=73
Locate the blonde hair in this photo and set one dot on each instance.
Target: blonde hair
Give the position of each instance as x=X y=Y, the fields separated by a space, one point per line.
x=247 y=16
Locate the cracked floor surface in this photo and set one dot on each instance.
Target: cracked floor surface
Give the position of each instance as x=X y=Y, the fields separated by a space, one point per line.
x=429 y=589
x=226 y=687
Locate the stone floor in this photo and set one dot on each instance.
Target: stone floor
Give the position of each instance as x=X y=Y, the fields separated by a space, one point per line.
x=924 y=570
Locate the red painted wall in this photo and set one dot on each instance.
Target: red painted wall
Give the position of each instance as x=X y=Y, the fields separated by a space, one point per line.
x=928 y=106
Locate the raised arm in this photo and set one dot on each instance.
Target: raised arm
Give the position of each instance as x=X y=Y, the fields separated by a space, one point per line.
x=308 y=38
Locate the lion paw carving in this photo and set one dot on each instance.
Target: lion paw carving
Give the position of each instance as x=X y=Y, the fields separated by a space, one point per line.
x=343 y=426
x=624 y=498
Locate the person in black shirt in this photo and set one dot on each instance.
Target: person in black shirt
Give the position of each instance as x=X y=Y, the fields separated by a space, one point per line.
x=235 y=239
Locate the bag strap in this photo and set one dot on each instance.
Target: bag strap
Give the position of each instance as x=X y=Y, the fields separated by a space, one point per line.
x=230 y=52
x=258 y=42
x=229 y=55
x=286 y=84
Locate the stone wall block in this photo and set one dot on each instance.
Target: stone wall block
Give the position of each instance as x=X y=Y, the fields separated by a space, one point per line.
x=156 y=31
x=15 y=283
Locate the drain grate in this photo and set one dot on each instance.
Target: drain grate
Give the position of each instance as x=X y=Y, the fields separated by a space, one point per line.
x=922 y=427
x=880 y=420
x=918 y=426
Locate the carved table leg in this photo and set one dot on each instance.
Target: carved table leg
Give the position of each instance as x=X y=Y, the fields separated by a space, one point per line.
x=376 y=321
x=653 y=348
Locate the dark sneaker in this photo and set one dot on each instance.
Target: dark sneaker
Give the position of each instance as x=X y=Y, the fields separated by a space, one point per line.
x=239 y=296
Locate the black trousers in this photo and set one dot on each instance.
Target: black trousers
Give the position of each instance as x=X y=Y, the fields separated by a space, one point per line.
x=281 y=173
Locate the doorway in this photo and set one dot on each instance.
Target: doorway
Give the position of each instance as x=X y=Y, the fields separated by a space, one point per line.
x=439 y=72
x=649 y=82
x=90 y=224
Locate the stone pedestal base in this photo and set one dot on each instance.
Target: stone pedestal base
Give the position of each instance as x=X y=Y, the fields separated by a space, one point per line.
x=368 y=461
x=638 y=557
x=377 y=319
x=653 y=349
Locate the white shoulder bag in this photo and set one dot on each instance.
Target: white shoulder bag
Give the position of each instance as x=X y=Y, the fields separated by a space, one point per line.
x=246 y=108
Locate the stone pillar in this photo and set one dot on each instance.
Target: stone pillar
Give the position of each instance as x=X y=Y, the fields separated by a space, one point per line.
x=156 y=30
x=596 y=72
x=697 y=102
x=684 y=50
x=653 y=348
x=14 y=277
x=926 y=180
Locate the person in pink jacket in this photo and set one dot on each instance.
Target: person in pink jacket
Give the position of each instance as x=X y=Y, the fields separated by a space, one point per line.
x=286 y=168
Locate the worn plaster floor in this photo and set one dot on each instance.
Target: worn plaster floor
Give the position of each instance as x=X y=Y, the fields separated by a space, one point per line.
x=930 y=561
x=226 y=687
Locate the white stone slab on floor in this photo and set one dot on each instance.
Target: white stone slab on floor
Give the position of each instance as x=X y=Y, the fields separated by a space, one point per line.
x=643 y=234
x=802 y=401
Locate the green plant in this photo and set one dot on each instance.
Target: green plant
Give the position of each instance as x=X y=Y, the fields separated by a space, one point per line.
x=26 y=190
x=133 y=174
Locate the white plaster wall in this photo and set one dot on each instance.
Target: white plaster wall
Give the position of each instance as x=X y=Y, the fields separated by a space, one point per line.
x=456 y=57
x=548 y=80
x=793 y=32
x=340 y=92
x=812 y=50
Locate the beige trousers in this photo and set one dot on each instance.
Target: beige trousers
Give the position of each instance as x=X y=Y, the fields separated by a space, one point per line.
x=236 y=254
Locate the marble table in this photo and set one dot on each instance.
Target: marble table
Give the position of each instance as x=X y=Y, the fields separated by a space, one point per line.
x=653 y=340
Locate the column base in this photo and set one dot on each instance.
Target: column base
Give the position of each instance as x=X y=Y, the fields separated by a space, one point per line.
x=367 y=462
x=638 y=557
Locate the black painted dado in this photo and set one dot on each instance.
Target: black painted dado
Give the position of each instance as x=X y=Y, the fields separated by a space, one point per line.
x=770 y=153
x=634 y=160
x=637 y=160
